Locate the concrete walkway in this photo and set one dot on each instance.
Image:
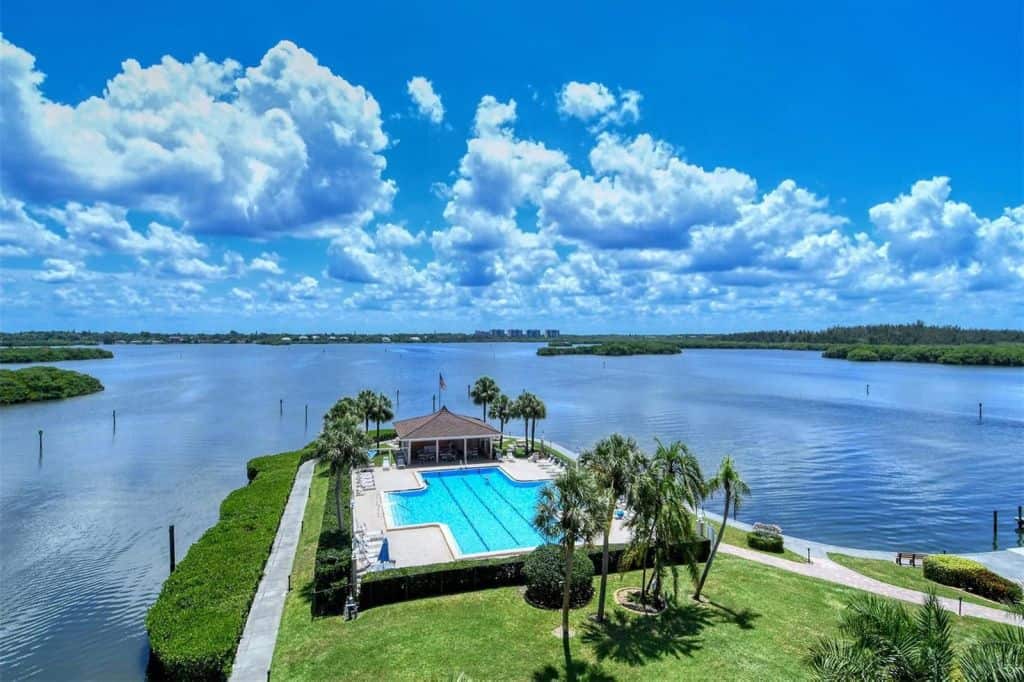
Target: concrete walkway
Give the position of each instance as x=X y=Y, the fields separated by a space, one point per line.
x=826 y=569
x=1008 y=563
x=256 y=649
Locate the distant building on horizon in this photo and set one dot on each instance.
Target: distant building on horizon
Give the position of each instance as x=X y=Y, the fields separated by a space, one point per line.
x=533 y=333
x=497 y=332
x=515 y=333
x=551 y=333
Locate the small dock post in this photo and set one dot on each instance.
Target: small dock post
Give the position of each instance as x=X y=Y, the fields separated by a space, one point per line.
x=114 y=416
x=867 y=389
x=170 y=540
x=40 y=443
x=995 y=528
x=979 y=413
x=307 y=415
x=280 y=407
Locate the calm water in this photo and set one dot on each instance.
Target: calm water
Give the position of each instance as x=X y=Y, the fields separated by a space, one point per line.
x=83 y=530
x=485 y=510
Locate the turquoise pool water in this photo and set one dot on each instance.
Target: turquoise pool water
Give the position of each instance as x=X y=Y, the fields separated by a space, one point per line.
x=485 y=509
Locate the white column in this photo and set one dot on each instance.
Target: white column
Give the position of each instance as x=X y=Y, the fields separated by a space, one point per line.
x=437 y=451
x=465 y=451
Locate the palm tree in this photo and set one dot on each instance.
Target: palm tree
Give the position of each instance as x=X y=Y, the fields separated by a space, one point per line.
x=881 y=640
x=364 y=403
x=538 y=410
x=343 y=446
x=381 y=411
x=569 y=511
x=522 y=409
x=343 y=407
x=734 y=490
x=614 y=463
x=665 y=489
x=485 y=391
x=998 y=655
x=501 y=409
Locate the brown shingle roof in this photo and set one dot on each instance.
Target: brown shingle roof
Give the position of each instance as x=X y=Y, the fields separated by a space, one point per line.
x=443 y=424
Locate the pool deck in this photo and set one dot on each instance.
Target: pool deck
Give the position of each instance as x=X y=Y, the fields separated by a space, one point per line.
x=428 y=543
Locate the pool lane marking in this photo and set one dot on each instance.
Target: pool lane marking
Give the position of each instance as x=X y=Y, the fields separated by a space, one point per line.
x=514 y=508
x=491 y=512
x=464 y=514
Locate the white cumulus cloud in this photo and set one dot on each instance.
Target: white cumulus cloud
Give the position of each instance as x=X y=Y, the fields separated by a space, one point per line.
x=428 y=102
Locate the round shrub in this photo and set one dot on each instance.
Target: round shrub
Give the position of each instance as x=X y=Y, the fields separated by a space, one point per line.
x=544 y=570
x=766 y=542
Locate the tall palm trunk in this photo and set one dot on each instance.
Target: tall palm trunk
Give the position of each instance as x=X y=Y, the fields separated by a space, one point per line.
x=533 y=435
x=366 y=424
x=604 y=563
x=485 y=412
x=714 y=550
x=566 y=592
x=378 y=434
x=526 y=434
x=501 y=438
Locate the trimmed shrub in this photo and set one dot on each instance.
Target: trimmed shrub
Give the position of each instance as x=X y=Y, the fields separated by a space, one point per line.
x=956 y=571
x=196 y=623
x=544 y=570
x=415 y=582
x=766 y=542
x=333 y=566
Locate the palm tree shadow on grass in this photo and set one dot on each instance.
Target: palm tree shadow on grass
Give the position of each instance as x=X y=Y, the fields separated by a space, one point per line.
x=635 y=640
x=578 y=670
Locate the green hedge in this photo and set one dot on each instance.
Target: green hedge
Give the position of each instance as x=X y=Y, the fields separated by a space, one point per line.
x=196 y=623
x=956 y=571
x=467 y=575
x=766 y=542
x=385 y=434
x=544 y=571
x=333 y=566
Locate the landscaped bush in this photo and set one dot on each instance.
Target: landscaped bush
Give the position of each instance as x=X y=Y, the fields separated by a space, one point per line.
x=956 y=571
x=333 y=566
x=385 y=434
x=415 y=582
x=764 y=541
x=196 y=623
x=544 y=570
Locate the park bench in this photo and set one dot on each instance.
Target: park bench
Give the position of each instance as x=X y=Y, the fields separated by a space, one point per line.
x=913 y=558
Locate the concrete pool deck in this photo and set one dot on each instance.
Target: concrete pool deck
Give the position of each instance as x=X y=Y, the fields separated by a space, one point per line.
x=429 y=543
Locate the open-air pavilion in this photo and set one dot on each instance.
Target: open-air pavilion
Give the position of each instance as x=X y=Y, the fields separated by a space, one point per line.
x=444 y=437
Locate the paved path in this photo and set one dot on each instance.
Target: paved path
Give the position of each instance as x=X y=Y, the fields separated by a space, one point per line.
x=1008 y=563
x=826 y=569
x=255 y=651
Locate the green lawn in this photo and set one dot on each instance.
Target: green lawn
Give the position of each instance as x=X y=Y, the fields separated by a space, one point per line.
x=909 y=577
x=758 y=626
x=738 y=537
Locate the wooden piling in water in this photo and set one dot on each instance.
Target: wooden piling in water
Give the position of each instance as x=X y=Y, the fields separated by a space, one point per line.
x=280 y=407
x=307 y=415
x=979 y=412
x=995 y=528
x=40 y=442
x=170 y=540
x=114 y=415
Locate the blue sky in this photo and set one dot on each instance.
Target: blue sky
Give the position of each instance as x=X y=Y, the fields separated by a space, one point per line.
x=722 y=167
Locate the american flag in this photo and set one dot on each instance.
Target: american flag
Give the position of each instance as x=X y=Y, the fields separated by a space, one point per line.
x=440 y=382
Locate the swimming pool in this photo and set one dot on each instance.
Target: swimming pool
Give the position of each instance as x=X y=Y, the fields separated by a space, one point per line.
x=485 y=510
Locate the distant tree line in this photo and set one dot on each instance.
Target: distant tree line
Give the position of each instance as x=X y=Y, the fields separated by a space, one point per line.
x=47 y=354
x=896 y=334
